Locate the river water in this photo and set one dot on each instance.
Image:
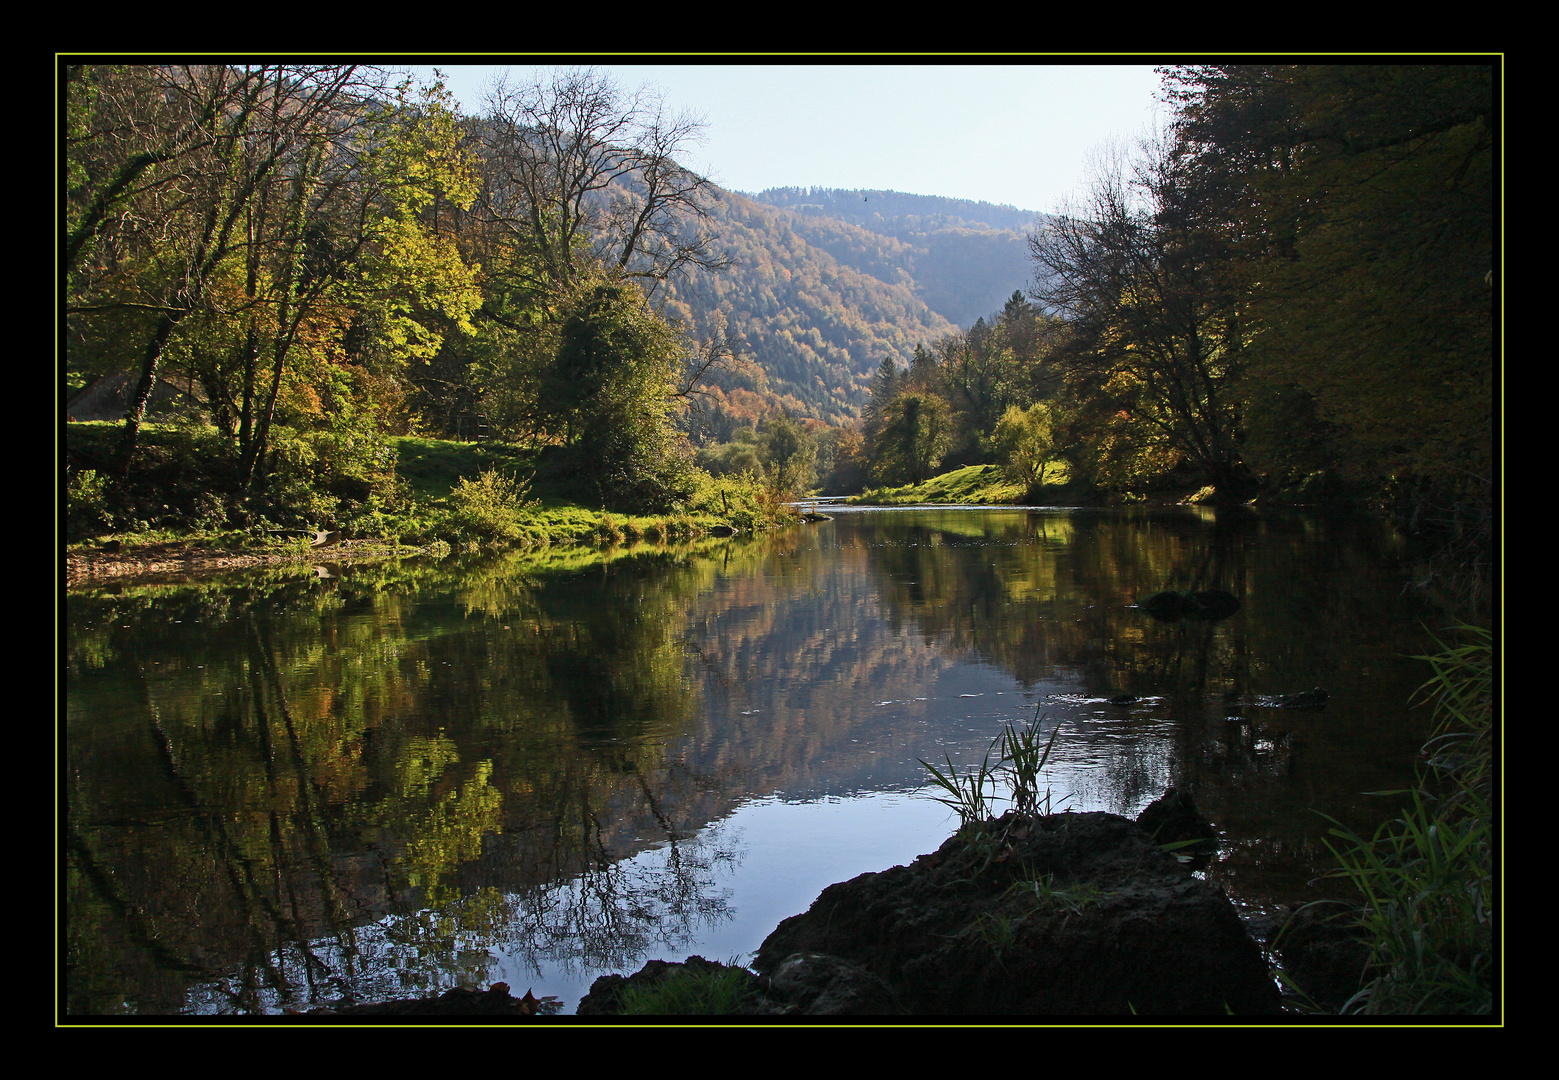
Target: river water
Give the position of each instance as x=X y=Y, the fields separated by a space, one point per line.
x=290 y=786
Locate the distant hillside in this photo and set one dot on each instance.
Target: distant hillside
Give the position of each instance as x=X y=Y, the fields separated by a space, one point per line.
x=825 y=284
x=964 y=257
x=895 y=213
x=817 y=324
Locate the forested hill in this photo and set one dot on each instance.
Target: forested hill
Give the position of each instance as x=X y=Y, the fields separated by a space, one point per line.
x=895 y=213
x=964 y=257
x=821 y=291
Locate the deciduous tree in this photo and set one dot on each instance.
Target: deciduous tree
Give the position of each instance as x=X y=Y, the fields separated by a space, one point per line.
x=606 y=396
x=1366 y=194
x=1137 y=272
x=915 y=434
x=581 y=175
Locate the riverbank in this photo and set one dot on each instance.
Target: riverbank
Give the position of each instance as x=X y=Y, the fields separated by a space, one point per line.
x=445 y=497
x=127 y=559
x=177 y=558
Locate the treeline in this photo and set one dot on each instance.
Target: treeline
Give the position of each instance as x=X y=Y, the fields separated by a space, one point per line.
x=1291 y=291
x=896 y=213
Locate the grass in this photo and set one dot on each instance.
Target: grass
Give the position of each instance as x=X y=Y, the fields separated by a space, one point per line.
x=433 y=467
x=1041 y=889
x=974 y=485
x=1426 y=877
x=1021 y=757
x=722 y=992
x=443 y=496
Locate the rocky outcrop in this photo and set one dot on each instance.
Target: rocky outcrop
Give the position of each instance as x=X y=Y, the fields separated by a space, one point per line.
x=1070 y=914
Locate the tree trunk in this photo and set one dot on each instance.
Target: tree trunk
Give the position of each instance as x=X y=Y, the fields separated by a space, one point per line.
x=150 y=366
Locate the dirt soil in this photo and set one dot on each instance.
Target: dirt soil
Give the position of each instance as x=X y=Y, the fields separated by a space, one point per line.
x=181 y=558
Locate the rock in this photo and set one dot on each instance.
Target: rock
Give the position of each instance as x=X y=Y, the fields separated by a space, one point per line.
x=1070 y=914
x=1207 y=604
x=459 y=1001
x=605 y=996
x=1309 y=699
x=1325 y=953
x=816 y=984
x=1167 y=606
x=1214 y=604
x=1174 y=819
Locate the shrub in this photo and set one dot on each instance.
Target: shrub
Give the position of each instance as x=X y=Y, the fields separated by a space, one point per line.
x=491 y=507
x=85 y=510
x=609 y=531
x=743 y=501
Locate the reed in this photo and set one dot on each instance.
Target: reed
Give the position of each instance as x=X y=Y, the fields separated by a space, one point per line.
x=1021 y=755
x=1427 y=876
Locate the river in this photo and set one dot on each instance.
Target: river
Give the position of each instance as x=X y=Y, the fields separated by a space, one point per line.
x=286 y=786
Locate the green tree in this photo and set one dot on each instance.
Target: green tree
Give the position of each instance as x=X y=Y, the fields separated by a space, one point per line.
x=1367 y=194
x=1025 y=443
x=607 y=396
x=225 y=138
x=270 y=231
x=788 y=455
x=886 y=385
x=915 y=434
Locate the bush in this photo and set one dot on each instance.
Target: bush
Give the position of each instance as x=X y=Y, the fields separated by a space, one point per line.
x=742 y=501
x=85 y=508
x=491 y=507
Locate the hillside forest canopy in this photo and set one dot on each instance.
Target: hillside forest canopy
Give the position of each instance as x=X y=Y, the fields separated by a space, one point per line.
x=1291 y=288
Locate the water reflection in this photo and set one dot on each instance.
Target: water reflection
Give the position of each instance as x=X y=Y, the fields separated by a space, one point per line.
x=393 y=779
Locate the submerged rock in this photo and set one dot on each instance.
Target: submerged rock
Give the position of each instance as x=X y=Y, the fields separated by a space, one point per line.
x=1206 y=604
x=454 y=1003
x=1325 y=953
x=1308 y=699
x=806 y=984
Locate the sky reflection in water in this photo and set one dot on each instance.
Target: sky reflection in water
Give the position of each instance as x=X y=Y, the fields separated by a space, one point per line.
x=397 y=779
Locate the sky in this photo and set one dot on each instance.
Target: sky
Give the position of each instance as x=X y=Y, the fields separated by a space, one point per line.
x=1014 y=133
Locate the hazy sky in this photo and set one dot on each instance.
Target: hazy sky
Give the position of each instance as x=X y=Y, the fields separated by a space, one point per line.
x=1018 y=133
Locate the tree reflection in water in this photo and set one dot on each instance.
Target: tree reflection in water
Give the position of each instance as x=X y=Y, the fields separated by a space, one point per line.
x=405 y=777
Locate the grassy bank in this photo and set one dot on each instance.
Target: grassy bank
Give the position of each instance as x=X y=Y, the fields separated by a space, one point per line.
x=975 y=485
x=177 y=508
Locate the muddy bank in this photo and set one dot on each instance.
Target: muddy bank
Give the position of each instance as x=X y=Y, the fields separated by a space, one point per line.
x=181 y=558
